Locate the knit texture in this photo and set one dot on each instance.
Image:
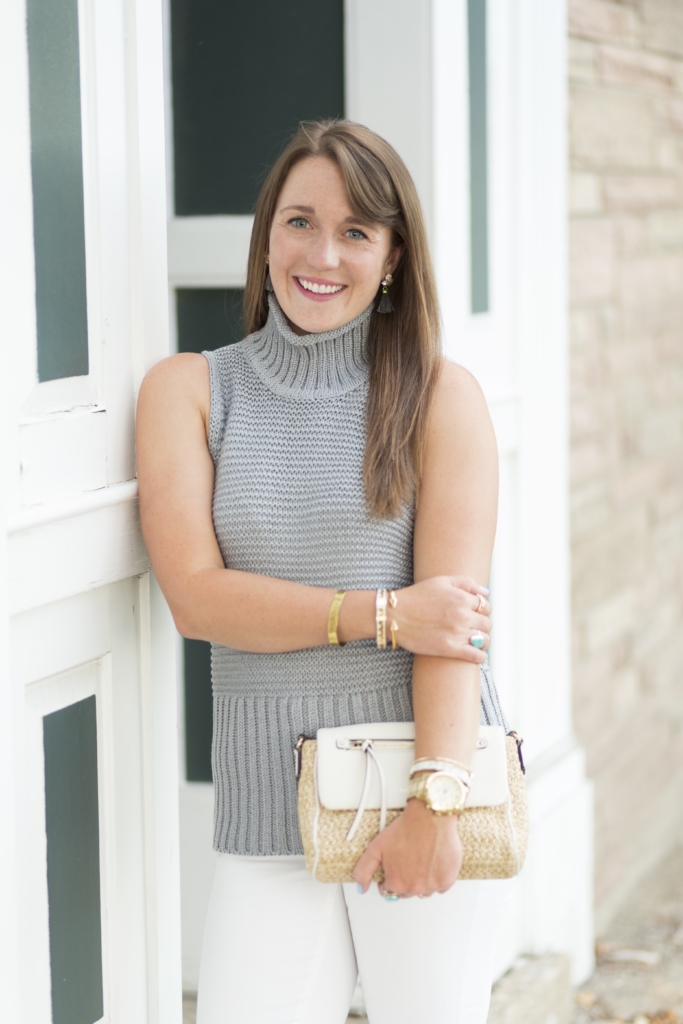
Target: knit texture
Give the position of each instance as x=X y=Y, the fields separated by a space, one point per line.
x=287 y=435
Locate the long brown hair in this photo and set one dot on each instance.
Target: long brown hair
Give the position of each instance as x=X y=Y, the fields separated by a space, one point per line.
x=404 y=345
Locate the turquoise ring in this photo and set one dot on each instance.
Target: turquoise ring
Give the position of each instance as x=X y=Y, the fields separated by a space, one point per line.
x=477 y=639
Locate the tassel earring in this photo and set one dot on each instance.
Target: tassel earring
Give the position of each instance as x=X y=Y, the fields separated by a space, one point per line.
x=385 y=303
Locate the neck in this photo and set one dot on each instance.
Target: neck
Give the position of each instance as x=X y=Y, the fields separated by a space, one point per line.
x=316 y=365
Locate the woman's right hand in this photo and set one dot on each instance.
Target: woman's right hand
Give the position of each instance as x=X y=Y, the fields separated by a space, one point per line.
x=437 y=617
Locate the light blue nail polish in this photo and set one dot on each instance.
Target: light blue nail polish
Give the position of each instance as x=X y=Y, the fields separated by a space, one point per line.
x=485 y=591
x=359 y=888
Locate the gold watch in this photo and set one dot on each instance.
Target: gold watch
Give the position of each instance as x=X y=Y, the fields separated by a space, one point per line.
x=442 y=792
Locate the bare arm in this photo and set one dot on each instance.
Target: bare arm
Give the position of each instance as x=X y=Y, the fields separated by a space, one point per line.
x=239 y=609
x=245 y=610
x=454 y=533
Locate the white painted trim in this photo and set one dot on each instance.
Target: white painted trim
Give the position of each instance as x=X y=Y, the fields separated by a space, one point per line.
x=168 y=108
x=17 y=328
x=81 y=504
x=42 y=698
x=208 y=252
x=65 y=557
x=162 y=825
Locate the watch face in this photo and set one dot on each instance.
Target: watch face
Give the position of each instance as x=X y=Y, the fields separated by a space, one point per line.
x=445 y=792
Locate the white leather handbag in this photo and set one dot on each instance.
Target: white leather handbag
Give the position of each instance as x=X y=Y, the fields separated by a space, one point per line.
x=353 y=781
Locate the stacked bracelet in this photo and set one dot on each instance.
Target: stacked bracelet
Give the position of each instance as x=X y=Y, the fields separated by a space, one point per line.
x=381 y=618
x=393 y=601
x=442 y=764
x=444 y=760
x=333 y=619
x=384 y=599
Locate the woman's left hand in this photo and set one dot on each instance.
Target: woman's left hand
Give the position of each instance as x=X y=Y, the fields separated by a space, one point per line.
x=420 y=853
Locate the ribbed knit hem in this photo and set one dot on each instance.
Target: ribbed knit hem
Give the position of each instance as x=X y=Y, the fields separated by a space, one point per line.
x=253 y=761
x=253 y=757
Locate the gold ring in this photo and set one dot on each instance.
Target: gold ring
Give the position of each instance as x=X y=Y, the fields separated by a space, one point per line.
x=481 y=604
x=424 y=895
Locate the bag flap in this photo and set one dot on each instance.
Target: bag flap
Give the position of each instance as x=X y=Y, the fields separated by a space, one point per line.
x=340 y=767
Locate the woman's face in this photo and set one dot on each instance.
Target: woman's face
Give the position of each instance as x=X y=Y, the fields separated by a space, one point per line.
x=325 y=264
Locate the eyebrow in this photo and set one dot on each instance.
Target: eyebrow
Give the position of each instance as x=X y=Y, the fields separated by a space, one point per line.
x=347 y=220
x=304 y=209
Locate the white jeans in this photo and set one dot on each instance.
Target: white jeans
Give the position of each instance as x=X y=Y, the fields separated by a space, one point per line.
x=280 y=948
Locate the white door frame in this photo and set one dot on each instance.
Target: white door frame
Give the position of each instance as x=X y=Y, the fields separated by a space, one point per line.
x=80 y=608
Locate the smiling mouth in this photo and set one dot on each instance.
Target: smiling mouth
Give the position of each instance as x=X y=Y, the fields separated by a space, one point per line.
x=320 y=289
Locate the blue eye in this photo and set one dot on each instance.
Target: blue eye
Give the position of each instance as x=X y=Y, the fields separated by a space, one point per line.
x=356 y=233
x=298 y=222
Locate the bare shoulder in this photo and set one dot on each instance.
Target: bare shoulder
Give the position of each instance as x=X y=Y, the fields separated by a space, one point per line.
x=458 y=402
x=180 y=378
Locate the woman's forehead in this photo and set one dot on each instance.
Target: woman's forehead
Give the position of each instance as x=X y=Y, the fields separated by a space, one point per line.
x=312 y=179
x=315 y=186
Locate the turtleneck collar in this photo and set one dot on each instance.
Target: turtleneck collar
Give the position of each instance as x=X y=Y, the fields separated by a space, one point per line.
x=309 y=365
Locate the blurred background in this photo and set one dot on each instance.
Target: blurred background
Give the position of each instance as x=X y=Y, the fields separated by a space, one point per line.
x=546 y=141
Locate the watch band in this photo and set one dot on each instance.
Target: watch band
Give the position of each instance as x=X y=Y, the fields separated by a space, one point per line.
x=446 y=760
x=424 y=764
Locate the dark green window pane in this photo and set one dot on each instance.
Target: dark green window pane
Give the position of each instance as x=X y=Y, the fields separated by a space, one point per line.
x=244 y=75
x=198 y=711
x=57 y=172
x=479 y=240
x=208 y=318
x=73 y=863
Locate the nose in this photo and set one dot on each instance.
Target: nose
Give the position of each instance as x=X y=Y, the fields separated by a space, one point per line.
x=323 y=254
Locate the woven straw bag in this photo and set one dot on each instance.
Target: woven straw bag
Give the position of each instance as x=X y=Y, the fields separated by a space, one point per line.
x=494 y=838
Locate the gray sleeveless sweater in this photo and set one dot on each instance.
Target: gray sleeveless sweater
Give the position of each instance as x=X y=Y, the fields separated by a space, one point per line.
x=287 y=433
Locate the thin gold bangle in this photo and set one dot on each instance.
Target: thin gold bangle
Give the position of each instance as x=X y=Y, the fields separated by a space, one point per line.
x=381 y=618
x=393 y=602
x=333 y=619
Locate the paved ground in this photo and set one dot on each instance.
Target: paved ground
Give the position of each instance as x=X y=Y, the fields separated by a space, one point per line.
x=639 y=974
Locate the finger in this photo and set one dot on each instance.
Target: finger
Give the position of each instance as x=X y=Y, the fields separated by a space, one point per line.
x=367 y=865
x=485 y=643
x=481 y=625
x=466 y=652
x=480 y=605
x=482 y=622
x=467 y=583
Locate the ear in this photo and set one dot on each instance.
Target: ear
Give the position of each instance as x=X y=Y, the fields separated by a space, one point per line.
x=393 y=259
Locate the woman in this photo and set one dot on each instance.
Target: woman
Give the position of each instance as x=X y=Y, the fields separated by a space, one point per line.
x=331 y=449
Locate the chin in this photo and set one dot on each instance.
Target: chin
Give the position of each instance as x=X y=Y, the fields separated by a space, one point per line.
x=323 y=317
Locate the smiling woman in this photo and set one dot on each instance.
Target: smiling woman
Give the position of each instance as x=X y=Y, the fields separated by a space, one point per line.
x=361 y=217
x=294 y=488
x=324 y=255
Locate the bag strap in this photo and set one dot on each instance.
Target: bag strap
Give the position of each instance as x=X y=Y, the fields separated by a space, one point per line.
x=370 y=759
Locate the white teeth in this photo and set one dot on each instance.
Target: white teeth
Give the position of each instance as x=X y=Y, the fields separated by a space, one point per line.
x=319 y=289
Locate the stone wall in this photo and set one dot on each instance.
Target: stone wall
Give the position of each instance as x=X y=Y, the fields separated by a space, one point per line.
x=626 y=293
